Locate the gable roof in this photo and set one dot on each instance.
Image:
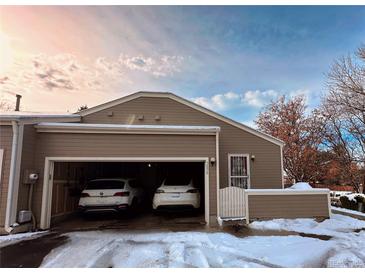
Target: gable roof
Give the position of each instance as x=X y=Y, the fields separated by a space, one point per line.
x=184 y=102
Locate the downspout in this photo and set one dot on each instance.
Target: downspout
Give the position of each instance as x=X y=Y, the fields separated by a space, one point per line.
x=13 y=187
x=217 y=173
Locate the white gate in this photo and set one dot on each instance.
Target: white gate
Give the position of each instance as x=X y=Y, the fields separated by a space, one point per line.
x=232 y=202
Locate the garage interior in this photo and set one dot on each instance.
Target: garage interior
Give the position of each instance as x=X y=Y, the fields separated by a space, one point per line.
x=70 y=178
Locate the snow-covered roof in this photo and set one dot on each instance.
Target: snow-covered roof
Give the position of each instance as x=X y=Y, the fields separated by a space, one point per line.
x=301 y=185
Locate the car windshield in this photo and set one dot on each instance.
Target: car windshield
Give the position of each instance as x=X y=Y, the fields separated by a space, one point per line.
x=105 y=184
x=177 y=181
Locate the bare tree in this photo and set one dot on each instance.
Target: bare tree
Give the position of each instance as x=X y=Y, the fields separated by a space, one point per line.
x=287 y=120
x=343 y=109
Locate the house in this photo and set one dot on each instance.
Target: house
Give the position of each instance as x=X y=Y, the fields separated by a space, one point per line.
x=241 y=169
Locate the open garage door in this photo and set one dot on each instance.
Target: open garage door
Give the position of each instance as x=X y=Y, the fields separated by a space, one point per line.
x=70 y=176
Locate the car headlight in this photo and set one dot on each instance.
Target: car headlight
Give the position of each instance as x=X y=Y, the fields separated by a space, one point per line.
x=160 y=191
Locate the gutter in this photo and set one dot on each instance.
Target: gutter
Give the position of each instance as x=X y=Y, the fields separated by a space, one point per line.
x=124 y=129
x=8 y=119
x=13 y=187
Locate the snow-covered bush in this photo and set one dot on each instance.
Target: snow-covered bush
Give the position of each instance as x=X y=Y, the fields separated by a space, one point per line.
x=352 y=201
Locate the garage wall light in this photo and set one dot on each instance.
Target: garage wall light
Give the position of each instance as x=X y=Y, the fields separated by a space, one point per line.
x=253 y=157
x=212 y=161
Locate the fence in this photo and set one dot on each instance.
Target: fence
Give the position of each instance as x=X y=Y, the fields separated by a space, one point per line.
x=232 y=202
x=249 y=204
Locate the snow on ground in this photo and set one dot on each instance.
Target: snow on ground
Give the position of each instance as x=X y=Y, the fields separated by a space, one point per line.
x=337 y=225
x=345 y=210
x=186 y=249
x=13 y=238
x=112 y=248
x=349 y=246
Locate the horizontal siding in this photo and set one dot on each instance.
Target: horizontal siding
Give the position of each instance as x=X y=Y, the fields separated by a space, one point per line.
x=126 y=145
x=288 y=206
x=27 y=164
x=265 y=170
x=6 y=139
x=103 y=145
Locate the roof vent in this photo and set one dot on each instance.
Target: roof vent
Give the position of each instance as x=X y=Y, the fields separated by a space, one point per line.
x=110 y=114
x=140 y=117
x=157 y=117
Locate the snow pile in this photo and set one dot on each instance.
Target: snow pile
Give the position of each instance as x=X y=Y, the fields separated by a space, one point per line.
x=335 y=226
x=186 y=249
x=13 y=238
x=349 y=247
x=300 y=185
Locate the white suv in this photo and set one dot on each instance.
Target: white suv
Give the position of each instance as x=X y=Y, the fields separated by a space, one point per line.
x=110 y=195
x=176 y=192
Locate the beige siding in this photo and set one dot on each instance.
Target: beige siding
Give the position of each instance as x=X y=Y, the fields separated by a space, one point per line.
x=265 y=170
x=27 y=164
x=288 y=206
x=102 y=145
x=6 y=139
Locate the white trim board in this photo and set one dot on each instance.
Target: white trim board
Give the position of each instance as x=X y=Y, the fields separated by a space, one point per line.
x=1 y=163
x=287 y=191
x=45 y=222
x=33 y=120
x=185 y=102
x=125 y=129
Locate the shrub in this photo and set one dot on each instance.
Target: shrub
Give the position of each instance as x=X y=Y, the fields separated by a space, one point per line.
x=352 y=201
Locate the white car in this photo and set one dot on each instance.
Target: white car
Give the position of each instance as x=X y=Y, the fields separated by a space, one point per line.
x=176 y=192
x=110 y=195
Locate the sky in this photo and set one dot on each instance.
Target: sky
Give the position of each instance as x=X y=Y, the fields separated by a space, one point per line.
x=231 y=59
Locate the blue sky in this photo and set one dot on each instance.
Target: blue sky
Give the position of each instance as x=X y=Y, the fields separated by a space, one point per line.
x=232 y=59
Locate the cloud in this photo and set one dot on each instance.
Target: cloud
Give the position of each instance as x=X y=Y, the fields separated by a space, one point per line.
x=250 y=123
x=65 y=72
x=50 y=82
x=259 y=98
x=218 y=101
x=252 y=98
x=159 y=66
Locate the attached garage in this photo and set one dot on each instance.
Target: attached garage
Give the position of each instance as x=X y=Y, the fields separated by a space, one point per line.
x=69 y=177
x=144 y=135
x=143 y=152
